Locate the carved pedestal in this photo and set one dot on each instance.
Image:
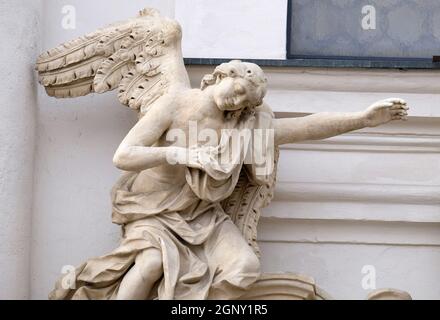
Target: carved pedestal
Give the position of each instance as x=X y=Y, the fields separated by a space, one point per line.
x=291 y=286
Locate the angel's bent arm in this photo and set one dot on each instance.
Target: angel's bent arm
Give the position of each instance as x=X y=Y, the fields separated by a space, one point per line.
x=329 y=124
x=136 y=153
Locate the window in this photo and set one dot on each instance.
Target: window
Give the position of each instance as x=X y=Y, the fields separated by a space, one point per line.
x=393 y=33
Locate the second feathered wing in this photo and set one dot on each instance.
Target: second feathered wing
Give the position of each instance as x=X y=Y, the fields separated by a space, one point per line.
x=245 y=204
x=141 y=57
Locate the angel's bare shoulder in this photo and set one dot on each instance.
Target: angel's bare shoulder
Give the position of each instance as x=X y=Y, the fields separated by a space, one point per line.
x=189 y=104
x=165 y=113
x=159 y=116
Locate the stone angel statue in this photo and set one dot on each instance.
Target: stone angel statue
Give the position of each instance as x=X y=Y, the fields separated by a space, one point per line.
x=188 y=216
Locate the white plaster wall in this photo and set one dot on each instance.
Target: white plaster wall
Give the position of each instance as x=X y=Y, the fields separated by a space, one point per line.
x=20 y=35
x=233 y=29
x=337 y=267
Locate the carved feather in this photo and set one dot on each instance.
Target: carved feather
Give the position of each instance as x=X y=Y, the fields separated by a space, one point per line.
x=78 y=88
x=80 y=70
x=146 y=93
x=131 y=81
x=102 y=42
x=81 y=48
x=244 y=205
x=111 y=72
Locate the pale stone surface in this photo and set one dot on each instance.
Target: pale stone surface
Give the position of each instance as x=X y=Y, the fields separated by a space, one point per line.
x=291 y=286
x=286 y=286
x=176 y=189
x=389 y=294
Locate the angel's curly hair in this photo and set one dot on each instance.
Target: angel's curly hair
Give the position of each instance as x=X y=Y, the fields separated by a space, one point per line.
x=234 y=69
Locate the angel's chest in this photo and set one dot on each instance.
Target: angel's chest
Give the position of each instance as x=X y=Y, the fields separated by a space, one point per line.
x=200 y=129
x=206 y=117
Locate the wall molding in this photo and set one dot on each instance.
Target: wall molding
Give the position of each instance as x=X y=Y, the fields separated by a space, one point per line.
x=346 y=80
x=348 y=232
x=358 y=192
x=374 y=142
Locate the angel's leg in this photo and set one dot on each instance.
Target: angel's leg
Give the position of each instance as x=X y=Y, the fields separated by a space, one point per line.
x=137 y=283
x=236 y=265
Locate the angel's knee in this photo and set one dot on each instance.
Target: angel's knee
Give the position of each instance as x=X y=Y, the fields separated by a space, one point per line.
x=234 y=278
x=242 y=270
x=249 y=262
x=149 y=264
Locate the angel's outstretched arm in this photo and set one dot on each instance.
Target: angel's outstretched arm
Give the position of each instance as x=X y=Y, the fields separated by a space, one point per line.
x=326 y=125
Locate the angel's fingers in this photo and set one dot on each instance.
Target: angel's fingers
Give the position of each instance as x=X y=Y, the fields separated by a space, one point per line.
x=383 y=104
x=396 y=101
x=399 y=107
x=404 y=118
x=399 y=113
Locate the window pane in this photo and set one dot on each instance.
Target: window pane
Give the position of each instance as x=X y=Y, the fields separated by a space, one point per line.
x=361 y=28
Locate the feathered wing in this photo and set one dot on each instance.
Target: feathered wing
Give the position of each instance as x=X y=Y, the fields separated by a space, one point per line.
x=141 y=57
x=246 y=202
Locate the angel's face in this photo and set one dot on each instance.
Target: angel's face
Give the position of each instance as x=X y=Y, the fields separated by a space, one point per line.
x=233 y=94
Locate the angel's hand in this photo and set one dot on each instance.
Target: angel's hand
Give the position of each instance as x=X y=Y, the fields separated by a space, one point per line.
x=183 y=156
x=385 y=111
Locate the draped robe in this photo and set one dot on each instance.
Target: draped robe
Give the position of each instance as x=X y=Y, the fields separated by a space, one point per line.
x=187 y=223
